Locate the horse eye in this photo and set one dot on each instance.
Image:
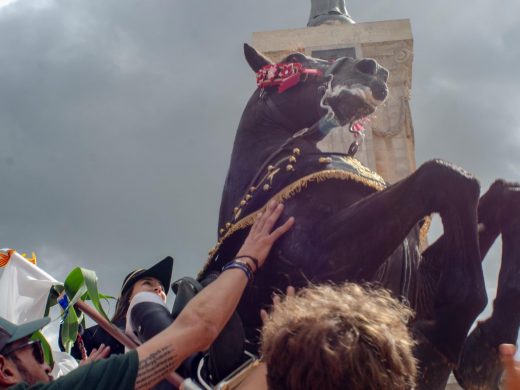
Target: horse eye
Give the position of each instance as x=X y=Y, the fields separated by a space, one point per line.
x=296 y=57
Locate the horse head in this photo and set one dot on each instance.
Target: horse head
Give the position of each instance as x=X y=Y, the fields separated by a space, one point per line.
x=300 y=92
x=305 y=89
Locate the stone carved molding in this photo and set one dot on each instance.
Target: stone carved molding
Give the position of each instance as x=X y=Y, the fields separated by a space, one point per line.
x=397 y=57
x=402 y=55
x=390 y=120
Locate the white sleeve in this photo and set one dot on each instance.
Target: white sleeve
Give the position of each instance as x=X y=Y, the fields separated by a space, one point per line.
x=63 y=363
x=144 y=296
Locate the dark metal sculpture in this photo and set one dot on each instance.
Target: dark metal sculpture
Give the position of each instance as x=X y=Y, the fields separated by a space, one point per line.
x=352 y=226
x=328 y=11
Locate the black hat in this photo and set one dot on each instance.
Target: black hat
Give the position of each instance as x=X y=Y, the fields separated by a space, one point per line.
x=10 y=332
x=162 y=271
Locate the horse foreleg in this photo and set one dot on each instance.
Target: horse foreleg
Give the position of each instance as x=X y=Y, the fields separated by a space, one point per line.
x=451 y=294
x=359 y=238
x=499 y=212
x=372 y=228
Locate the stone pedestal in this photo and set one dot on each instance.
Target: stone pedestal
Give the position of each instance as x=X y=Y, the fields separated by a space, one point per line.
x=389 y=144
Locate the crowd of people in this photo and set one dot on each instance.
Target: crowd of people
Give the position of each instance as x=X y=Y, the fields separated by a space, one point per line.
x=326 y=337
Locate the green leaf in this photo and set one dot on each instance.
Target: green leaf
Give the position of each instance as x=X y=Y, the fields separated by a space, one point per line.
x=91 y=283
x=75 y=285
x=47 y=351
x=80 y=283
x=106 y=297
x=69 y=330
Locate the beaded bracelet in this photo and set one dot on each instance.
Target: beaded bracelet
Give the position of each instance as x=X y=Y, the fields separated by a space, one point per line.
x=240 y=265
x=255 y=261
x=246 y=264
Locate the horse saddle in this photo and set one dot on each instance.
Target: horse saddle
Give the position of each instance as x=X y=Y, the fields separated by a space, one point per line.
x=290 y=174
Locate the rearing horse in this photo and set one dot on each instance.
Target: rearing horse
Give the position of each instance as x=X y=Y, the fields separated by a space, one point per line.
x=351 y=225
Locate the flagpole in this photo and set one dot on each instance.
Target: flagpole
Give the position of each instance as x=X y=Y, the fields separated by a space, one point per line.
x=174 y=378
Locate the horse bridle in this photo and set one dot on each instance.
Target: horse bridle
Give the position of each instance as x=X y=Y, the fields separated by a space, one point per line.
x=287 y=75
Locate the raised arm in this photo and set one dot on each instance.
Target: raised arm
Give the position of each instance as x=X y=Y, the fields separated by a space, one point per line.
x=201 y=321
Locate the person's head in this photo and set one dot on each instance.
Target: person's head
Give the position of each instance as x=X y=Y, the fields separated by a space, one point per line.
x=155 y=279
x=339 y=337
x=22 y=359
x=149 y=284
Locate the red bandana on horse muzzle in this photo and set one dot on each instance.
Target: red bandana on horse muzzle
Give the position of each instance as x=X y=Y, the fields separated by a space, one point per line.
x=283 y=75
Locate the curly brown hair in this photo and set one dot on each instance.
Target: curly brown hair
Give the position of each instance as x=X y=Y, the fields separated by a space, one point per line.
x=339 y=337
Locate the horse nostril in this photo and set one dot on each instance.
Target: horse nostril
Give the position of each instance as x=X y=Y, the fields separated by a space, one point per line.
x=367 y=66
x=379 y=91
x=382 y=73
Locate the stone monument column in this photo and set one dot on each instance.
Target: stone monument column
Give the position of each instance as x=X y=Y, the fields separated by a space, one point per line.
x=328 y=12
x=389 y=143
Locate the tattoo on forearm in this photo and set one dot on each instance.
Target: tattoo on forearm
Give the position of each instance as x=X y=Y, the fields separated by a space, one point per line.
x=160 y=362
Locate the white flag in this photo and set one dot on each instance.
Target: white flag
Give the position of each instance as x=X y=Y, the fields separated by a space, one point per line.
x=24 y=289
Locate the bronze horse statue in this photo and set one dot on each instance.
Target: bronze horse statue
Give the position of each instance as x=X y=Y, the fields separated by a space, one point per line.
x=352 y=226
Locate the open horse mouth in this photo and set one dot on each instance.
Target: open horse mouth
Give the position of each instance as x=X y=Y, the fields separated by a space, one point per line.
x=355 y=89
x=349 y=104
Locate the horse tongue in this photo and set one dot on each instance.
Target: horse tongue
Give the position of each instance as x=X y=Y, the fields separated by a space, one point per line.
x=359 y=125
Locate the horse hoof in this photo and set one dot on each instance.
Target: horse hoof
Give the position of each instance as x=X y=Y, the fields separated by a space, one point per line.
x=479 y=367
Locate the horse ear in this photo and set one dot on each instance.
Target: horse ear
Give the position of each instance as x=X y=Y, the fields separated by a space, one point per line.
x=255 y=59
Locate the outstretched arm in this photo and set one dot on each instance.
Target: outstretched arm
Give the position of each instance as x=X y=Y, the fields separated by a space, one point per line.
x=206 y=314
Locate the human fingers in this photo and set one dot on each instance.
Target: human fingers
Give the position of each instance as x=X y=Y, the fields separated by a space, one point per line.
x=103 y=352
x=512 y=369
x=290 y=292
x=98 y=353
x=264 y=316
x=93 y=354
x=260 y=240
x=263 y=313
x=258 y=227
x=507 y=349
x=507 y=353
x=87 y=360
x=281 y=230
x=254 y=228
x=271 y=216
x=264 y=218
